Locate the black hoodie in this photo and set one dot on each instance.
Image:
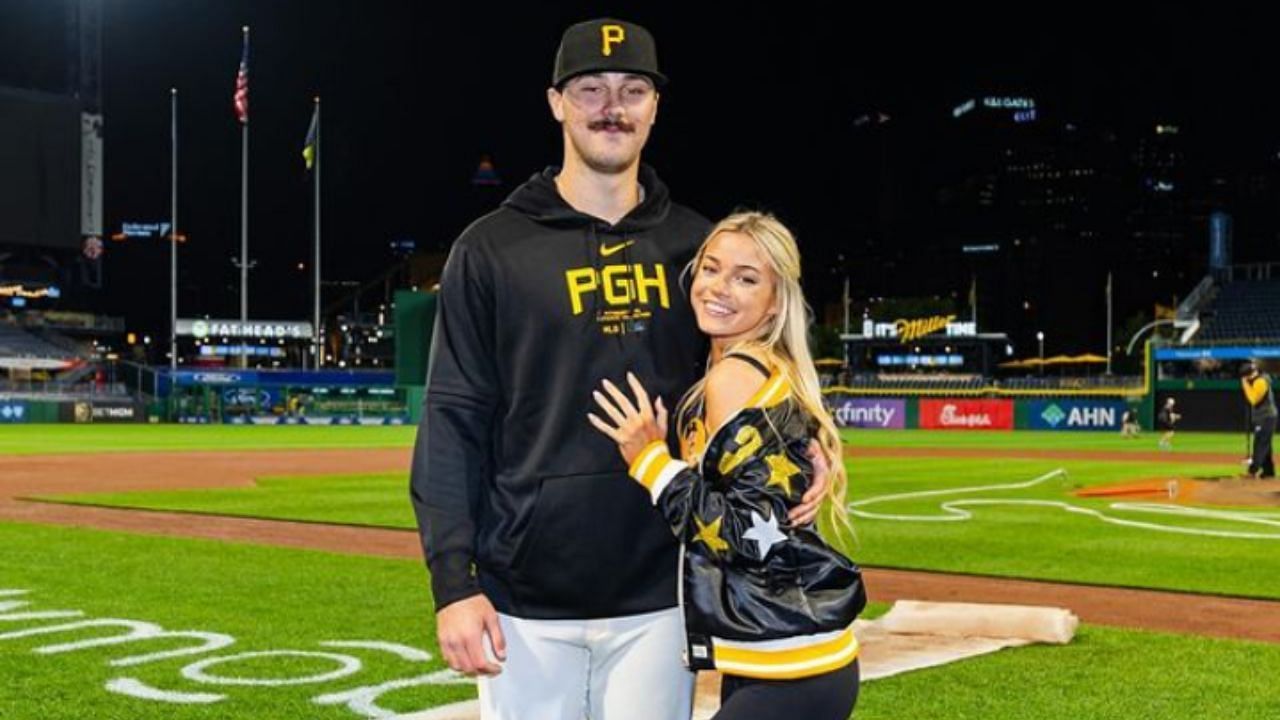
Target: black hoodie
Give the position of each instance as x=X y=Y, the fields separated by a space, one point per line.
x=516 y=494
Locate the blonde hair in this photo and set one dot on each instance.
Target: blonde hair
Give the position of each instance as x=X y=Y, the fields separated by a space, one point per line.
x=783 y=340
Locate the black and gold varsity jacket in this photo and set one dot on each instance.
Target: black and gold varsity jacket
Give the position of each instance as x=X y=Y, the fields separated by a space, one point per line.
x=761 y=599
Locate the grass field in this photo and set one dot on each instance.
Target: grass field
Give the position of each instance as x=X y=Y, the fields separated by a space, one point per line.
x=267 y=599
x=1036 y=440
x=60 y=439
x=1041 y=532
x=271 y=600
x=34 y=439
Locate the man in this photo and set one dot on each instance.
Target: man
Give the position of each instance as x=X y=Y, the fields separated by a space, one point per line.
x=1167 y=420
x=1262 y=417
x=552 y=575
x=1129 y=427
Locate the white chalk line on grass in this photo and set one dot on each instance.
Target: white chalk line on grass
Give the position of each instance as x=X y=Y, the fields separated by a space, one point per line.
x=361 y=701
x=954 y=512
x=347 y=665
x=405 y=652
x=137 y=689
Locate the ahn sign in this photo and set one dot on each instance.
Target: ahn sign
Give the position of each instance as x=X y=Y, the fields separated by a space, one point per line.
x=1075 y=414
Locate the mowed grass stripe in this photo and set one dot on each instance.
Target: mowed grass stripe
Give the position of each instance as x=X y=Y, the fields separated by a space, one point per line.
x=376 y=500
x=62 y=439
x=268 y=599
x=1021 y=541
x=274 y=599
x=56 y=439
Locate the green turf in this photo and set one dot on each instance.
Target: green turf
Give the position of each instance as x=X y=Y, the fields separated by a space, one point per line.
x=278 y=599
x=377 y=499
x=266 y=598
x=1044 y=440
x=1045 y=543
x=29 y=439
x=1104 y=674
x=1050 y=543
x=50 y=439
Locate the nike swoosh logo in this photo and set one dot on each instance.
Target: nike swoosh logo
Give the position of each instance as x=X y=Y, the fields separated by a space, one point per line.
x=607 y=250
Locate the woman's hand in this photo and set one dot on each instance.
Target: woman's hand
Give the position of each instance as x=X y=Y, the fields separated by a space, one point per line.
x=635 y=425
x=807 y=511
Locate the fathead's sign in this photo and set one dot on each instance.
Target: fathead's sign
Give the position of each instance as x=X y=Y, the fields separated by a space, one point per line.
x=966 y=414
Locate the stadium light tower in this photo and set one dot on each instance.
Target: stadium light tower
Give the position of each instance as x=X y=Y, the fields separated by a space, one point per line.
x=1040 y=340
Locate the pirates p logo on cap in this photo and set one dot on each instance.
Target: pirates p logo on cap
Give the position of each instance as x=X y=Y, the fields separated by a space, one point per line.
x=609 y=35
x=606 y=45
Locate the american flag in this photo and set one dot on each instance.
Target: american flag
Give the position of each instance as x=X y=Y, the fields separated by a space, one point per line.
x=242 y=84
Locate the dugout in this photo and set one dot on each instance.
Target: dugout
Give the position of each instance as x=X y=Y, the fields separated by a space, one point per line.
x=284 y=397
x=1204 y=382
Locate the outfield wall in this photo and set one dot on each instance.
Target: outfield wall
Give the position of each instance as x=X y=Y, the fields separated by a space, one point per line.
x=966 y=413
x=1213 y=405
x=116 y=410
x=284 y=397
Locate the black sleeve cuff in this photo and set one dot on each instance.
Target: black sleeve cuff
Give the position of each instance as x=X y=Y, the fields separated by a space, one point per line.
x=452 y=579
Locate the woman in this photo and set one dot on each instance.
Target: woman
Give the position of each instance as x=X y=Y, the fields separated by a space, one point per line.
x=769 y=606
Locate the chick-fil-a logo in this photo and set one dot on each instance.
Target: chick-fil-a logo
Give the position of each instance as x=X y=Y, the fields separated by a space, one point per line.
x=952 y=414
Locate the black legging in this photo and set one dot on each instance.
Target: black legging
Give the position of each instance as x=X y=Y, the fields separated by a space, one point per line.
x=1263 y=463
x=821 y=697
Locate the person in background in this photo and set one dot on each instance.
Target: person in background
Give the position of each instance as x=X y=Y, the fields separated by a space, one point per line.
x=1167 y=420
x=1129 y=427
x=1262 y=417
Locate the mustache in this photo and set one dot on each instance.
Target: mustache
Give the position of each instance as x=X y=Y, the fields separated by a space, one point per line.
x=622 y=125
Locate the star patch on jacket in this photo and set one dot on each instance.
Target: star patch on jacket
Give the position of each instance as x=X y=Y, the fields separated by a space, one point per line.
x=765 y=533
x=781 y=470
x=709 y=533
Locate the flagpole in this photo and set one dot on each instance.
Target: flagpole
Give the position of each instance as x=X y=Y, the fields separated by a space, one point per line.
x=844 y=301
x=1109 y=322
x=173 y=236
x=319 y=336
x=973 y=300
x=844 y=345
x=244 y=219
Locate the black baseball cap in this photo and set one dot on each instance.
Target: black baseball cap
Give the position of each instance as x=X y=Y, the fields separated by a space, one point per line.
x=606 y=45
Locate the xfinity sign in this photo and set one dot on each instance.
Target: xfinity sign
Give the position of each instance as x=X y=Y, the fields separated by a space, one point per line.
x=871 y=413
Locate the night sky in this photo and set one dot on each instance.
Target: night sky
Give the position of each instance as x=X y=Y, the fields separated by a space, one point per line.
x=759 y=113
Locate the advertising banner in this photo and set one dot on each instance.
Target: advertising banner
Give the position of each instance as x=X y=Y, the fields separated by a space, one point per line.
x=1075 y=414
x=875 y=413
x=100 y=411
x=955 y=414
x=314 y=420
x=13 y=412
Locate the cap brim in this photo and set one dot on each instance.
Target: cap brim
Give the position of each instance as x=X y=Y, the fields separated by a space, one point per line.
x=659 y=80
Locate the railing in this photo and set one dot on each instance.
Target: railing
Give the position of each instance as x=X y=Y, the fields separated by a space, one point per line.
x=54 y=390
x=972 y=386
x=1199 y=297
x=1252 y=272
